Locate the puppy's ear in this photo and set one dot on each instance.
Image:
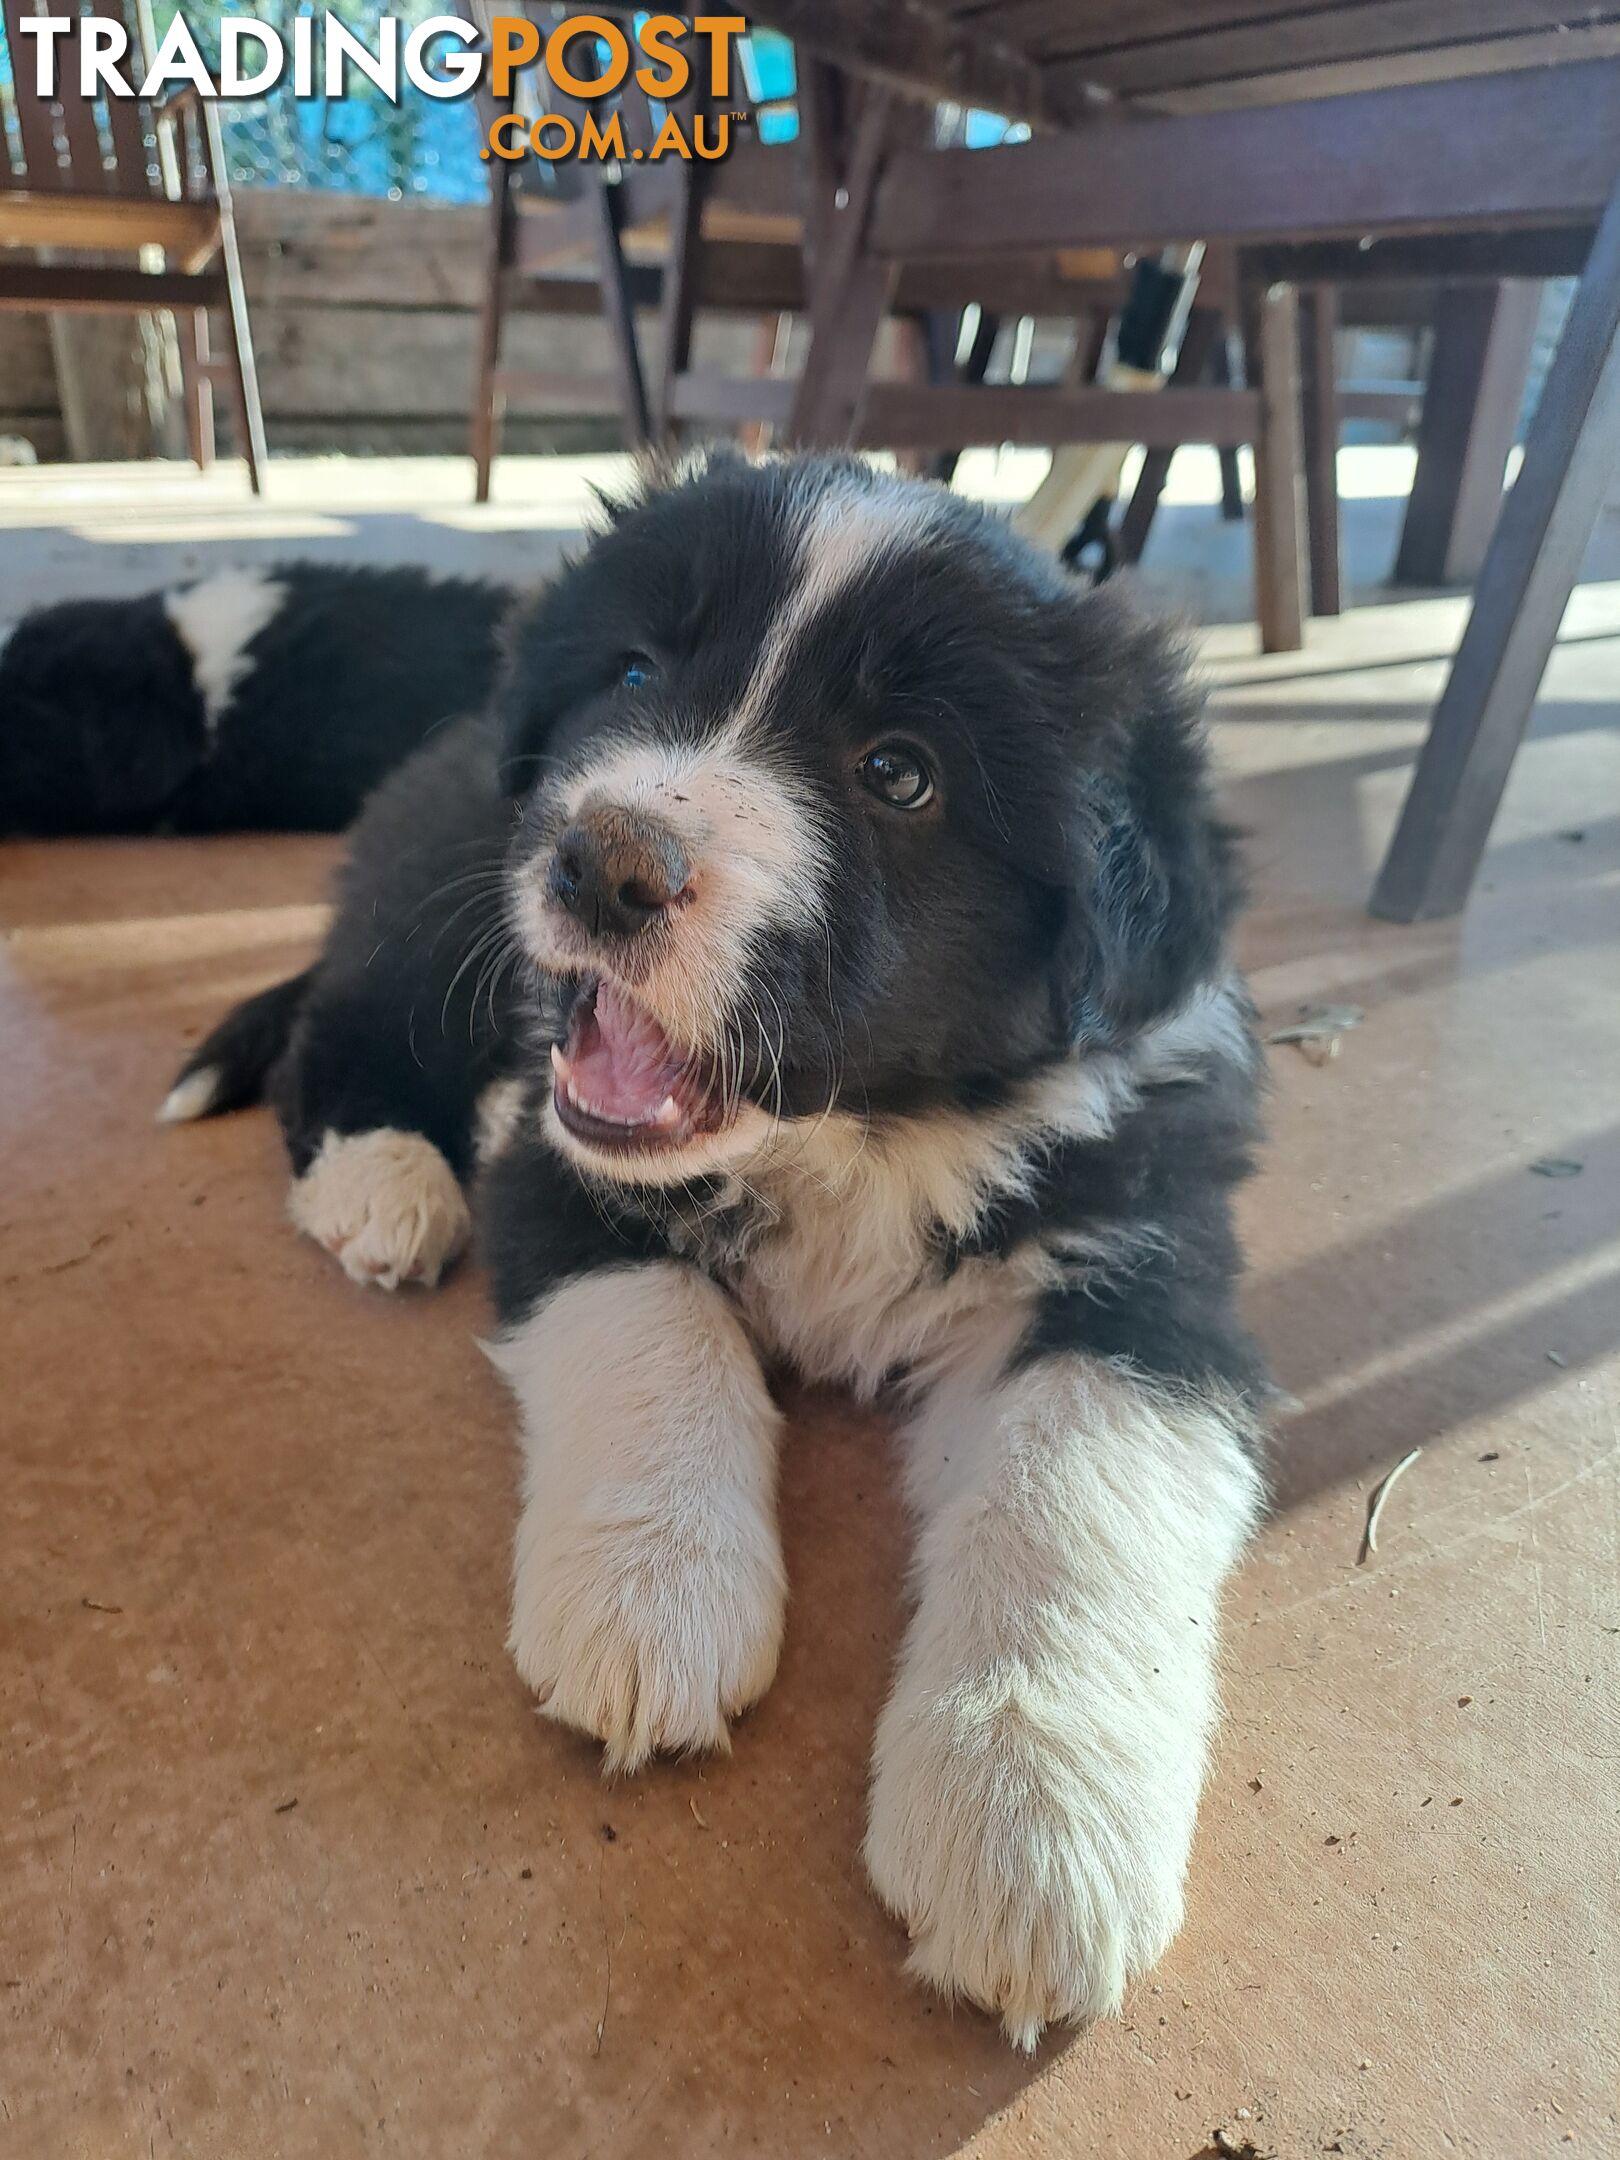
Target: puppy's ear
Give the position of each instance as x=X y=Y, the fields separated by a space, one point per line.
x=1153 y=880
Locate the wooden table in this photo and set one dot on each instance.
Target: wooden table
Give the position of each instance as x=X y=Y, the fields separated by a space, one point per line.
x=1253 y=124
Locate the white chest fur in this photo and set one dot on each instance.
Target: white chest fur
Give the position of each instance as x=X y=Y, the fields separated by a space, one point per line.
x=849 y=1276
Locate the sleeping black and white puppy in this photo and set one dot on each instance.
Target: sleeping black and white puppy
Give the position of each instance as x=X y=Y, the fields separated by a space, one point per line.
x=824 y=945
x=271 y=700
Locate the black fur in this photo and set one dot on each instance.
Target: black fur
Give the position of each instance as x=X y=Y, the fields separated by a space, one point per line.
x=103 y=728
x=1072 y=887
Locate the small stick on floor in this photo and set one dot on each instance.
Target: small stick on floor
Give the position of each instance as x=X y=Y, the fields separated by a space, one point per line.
x=1376 y=1509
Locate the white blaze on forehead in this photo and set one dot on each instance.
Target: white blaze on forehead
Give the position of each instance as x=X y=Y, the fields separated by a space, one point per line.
x=846 y=533
x=217 y=620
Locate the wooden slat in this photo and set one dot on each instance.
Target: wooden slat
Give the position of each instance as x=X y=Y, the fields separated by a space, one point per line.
x=1056 y=28
x=71 y=287
x=555 y=392
x=1523 y=589
x=1448 y=63
x=1425 y=258
x=918 y=52
x=187 y=230
x=901 y=416
x=1381 y=30
x=904 y=416
x=1503 y=149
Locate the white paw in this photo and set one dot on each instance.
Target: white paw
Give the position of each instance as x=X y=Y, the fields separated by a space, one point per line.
x=1036 y=1866
x=384 y=1203
x=647 y=1634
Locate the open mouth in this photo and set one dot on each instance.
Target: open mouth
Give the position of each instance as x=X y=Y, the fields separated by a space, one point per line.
x=620 y=1083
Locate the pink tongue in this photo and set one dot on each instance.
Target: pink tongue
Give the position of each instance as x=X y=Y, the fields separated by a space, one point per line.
x=624 y=1066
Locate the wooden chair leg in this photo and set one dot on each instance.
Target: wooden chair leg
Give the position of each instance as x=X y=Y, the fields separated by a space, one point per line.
x=852 y=288
x=975 y=363
x=191 y=326
x=1524 y=585
x=1279 y=481
x=1319 y=386
x=1483 y=337
x=678 y=304
x=620 y=318
x=1220 y=374
x=483 y=433
x=244 y=375
x=1204 y=331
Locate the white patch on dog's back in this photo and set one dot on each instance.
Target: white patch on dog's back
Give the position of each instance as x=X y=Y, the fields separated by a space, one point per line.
x=217 y=620
x=385 y=1204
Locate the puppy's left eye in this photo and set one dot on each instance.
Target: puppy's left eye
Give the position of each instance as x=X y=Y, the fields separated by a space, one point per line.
x=896 y=774
x=636 y=670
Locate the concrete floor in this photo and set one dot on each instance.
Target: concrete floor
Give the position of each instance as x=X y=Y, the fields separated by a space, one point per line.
x=290 y=1869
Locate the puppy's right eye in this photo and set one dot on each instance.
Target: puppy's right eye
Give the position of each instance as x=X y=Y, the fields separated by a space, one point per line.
x=636 y=670
x=897 y=775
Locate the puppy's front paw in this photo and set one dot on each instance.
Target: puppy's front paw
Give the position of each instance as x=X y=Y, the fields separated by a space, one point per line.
x=1036 y=1867
x=647 y=1634
x=385 y=1204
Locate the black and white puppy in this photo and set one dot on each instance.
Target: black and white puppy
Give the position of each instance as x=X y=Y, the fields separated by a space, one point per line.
x=272 y=700
x=824 y=945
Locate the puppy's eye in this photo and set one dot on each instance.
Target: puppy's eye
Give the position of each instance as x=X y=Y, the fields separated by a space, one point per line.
x=636 y=670
x=896 y=774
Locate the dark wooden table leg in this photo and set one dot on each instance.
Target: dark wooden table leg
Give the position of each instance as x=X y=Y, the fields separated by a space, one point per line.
x=850 y=294
x=1220 y=373
x=1482 y=340
x=1279 y=476
x=1204 y=331
x=1319 y=319
x=975 y=362
x=485 y=429
x=678 y=305
x=1524 y=586
x=620 y=317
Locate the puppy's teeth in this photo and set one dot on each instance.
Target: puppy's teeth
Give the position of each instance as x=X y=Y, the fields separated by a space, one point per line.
x=668 y=1111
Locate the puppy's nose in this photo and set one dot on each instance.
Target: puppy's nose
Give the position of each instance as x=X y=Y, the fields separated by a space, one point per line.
x=616 y=871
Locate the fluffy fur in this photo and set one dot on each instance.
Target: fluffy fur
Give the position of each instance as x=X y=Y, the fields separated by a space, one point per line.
x=817 y=800
x=251 y=699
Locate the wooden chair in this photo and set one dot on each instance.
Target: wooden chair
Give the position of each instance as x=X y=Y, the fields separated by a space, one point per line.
x=104 y=178
x=639 y=233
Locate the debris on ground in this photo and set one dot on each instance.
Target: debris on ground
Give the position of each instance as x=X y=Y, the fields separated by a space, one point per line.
x=1557 y=1166
x=1236 y=2145
x=1318 y=1030
x=1369 y=1543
